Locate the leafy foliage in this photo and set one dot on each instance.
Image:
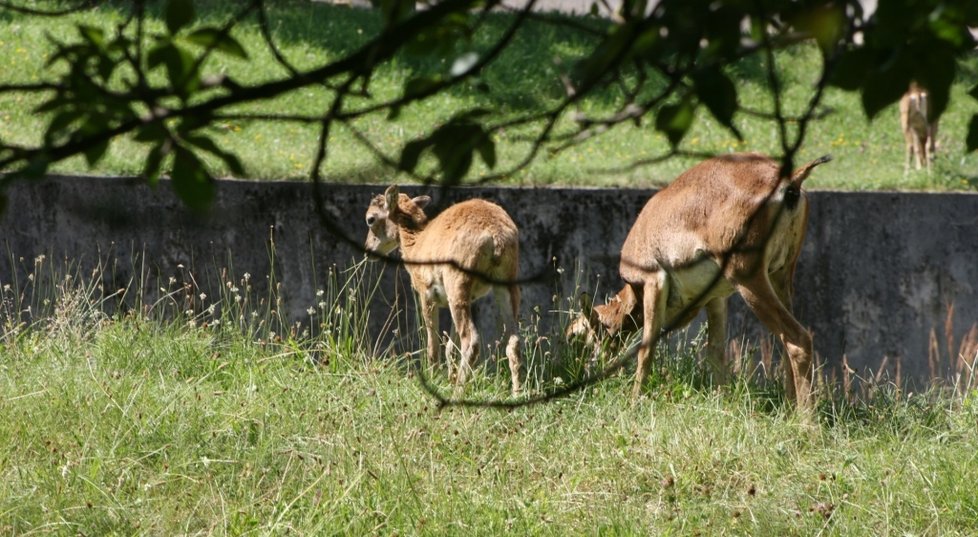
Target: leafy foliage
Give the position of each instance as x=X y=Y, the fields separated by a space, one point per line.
x=667 y=60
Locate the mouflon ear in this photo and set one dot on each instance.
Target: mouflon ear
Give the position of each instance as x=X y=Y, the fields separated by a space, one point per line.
x=421 y=201
x=391 y=195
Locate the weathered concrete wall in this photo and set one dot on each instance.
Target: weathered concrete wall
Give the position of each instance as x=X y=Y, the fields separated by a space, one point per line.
x=876 y=276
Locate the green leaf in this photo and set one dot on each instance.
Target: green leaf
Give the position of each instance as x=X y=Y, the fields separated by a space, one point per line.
x=154 y=161
x=151 y=132
x=674 y=120
x=61 y=125
x=936 y=66
x=606 y=55
x=178 y=63
x=395 y=11
x=974 y=92
x=885 y=86
x=229 y=158
x=851 y=69
x=92 y=34
x=440 y=38
x=972 y=141
x=179 y=13
x=633 y=8
x=191 y=181
x=210 y=37
x=722 y=30
x=719 y=94
x=825 y=23
x=420 y=85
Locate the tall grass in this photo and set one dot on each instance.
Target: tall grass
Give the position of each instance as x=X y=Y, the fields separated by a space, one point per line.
x=218 y=419
x=869 y=154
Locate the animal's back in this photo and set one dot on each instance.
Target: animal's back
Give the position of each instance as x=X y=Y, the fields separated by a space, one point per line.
x=702 y=210
x=467 y=231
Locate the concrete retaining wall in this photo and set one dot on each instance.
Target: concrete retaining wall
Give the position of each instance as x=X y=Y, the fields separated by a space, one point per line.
x=876 y=278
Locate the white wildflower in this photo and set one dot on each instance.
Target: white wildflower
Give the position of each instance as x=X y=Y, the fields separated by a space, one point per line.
x=311 y=310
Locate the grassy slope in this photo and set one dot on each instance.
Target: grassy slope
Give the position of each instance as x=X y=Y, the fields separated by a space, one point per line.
x=158 y=423
x=869 y=154
x=136 y=427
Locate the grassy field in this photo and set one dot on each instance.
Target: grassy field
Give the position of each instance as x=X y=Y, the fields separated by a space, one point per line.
x=175 y=419
x=177 y=413
x=869 y=155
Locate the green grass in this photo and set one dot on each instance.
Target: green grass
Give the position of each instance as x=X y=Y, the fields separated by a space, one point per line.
x=869 y=155
x=160 y=421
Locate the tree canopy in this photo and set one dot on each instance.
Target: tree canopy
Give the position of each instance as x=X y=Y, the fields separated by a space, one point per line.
x=667 y=59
